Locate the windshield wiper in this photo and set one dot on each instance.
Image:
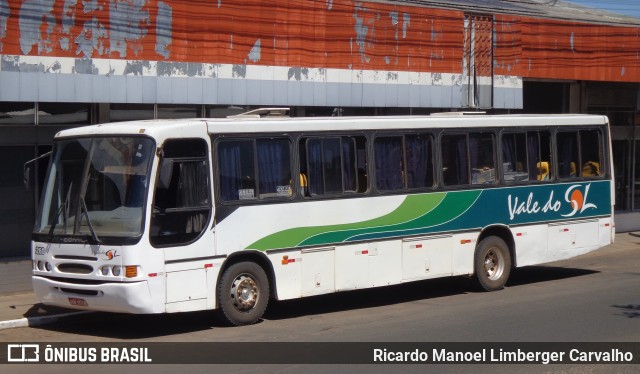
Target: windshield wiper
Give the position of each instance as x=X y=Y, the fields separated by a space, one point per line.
x=85 y=211
x=63 y=208
x=82 y=208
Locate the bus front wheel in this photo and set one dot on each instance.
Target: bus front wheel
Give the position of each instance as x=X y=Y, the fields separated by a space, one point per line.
x=243 y=293
x=492 y=263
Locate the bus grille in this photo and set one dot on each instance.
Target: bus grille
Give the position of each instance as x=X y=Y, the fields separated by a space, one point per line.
x=75 y=268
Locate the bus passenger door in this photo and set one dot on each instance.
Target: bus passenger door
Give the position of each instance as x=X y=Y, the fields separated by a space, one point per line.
x=180 y=222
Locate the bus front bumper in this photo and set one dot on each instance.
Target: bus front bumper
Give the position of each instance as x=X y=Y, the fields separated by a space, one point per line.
x=133 y=297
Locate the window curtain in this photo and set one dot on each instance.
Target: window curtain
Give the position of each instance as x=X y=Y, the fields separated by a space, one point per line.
x=533 y=154
x=314 y=160
x=273 y=165
x=332 y=165
x=454 y=160
x=462 y=161
x=230 y=170
x=349 y=164
x=388 y=158
x=474 y=150
x=192 y=193
x=193 y=185
x=418 y=161
x=567 y=154
x=509 y=155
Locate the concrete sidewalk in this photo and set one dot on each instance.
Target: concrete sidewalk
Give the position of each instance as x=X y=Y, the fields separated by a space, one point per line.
x=20 y=308
x=15 y=275
x=18 y=304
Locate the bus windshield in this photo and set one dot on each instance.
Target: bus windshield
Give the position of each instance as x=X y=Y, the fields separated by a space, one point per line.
x=96 y=188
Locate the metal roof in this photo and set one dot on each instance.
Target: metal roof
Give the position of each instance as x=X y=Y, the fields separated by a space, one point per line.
x=197 y=127
x=551 y=9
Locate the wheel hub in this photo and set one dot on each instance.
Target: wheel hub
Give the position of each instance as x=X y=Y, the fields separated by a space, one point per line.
x=244 y=293
x=493 y=264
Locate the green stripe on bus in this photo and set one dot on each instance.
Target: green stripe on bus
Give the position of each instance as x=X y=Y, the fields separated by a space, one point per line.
x=415 y=212
x=454 y=206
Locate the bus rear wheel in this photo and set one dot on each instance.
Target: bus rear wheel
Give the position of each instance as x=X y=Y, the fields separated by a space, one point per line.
x=492 y=263
x=243 y=293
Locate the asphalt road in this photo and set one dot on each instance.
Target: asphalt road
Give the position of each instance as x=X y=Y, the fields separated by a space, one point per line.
x=592 y=298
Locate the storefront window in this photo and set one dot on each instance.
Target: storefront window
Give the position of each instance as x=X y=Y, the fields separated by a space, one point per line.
x=64 y=114
x=130 y=112
x=619 y=105
x=225 y=111
x=16 y=113
x=178 y=111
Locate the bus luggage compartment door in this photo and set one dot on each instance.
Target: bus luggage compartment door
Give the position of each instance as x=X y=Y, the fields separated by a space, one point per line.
x=186 y=290
x=426 y=257
x=318 y=271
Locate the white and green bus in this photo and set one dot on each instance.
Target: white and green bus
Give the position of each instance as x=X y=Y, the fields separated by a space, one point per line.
x=166 y=216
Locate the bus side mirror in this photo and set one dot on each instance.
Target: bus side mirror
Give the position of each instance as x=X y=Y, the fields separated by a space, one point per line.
x=166 y=171
x=26 y=170
x=26 y=178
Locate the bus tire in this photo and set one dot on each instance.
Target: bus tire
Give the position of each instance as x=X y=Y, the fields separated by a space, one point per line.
x=492 y=263
x=243 y=293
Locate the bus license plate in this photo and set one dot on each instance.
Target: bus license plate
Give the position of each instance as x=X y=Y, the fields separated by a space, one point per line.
x=77 y=301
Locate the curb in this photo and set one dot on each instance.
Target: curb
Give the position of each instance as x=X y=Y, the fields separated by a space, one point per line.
x=37 y=321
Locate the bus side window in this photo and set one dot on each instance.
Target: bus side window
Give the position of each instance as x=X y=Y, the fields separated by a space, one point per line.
x=514 y=157
x=274 y=168
x=182 y=202
x=389 y=163
x=481 y=154
x=567 y=142
x=254 y=169
x=591 y=153
x=332 y=165
x=539 y=155
x=455 y=161
x=419 y=161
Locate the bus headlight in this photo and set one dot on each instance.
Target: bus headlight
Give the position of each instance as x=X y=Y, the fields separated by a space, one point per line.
x=41 y=265
x=117 y=270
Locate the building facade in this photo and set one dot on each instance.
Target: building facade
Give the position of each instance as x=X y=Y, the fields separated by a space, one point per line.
x=73 y=63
